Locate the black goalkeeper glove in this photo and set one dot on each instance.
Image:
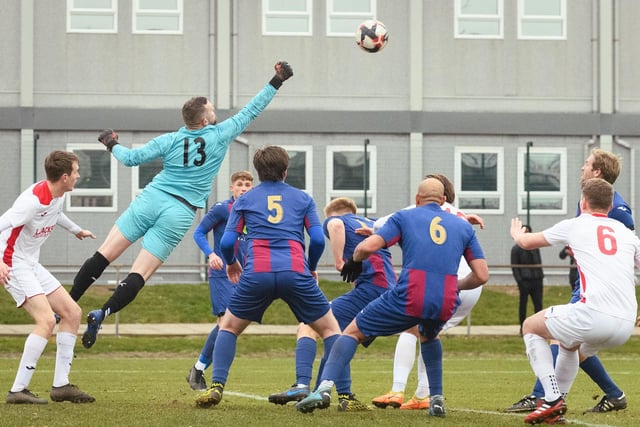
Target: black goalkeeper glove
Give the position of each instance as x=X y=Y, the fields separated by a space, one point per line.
x=283 y=72
x=351 y=270
x=109 y=138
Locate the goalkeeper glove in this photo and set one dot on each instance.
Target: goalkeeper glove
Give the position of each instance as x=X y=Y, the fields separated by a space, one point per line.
x=109 y=138
x=283 y=72
x=351 y=270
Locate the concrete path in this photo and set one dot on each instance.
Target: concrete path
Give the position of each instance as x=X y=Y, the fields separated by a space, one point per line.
x=203 y=329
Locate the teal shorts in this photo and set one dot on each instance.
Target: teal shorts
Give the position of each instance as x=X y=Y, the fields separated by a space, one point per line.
x=157 y=217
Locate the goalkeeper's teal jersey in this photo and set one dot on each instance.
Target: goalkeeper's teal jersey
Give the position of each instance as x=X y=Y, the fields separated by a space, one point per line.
x=191 y=158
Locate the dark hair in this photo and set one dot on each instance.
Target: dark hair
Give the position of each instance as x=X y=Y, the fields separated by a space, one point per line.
x=527 y=227
x=57 y=163
x=193 y=111
x=271 y=163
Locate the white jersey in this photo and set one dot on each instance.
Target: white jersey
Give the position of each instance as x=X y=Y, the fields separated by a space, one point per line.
x=28 y=223
x=605 y=252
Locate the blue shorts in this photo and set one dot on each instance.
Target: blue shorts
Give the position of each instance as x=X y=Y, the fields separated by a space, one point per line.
x=256 y=291
x=386 y=316
x=220 y=290
x=158 y=217
x=347 y=306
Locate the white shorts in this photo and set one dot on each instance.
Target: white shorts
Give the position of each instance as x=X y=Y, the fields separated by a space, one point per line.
x=26 y=281
x=468 y=300
x=577 y=325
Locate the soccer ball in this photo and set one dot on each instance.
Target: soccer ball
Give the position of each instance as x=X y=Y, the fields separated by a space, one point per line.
x=372 y=36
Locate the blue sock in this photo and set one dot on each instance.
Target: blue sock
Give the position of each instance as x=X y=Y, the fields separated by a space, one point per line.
x=305 y=356
x=223 y=354
x=538 y=390
x=341 y=351
x=432 y=356
x=593 y=367
x=206 y=355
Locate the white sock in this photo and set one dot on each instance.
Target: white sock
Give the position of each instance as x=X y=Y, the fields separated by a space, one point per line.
x=200 y=366
x=422 y=390
x=403 y=360
x=325 y=385
x=541 y=361
x=33 y=347
x=65 y=343
x=567 y=367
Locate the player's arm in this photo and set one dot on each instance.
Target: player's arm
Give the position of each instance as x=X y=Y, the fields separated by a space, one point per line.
x=367 y=247
x=475 y=220
x=479 y=275
x=336 y=230
x=526 y=240
x=66 y=223
x=316 y=245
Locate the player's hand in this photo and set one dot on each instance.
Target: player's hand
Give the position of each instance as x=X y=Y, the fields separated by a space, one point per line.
x=109 y=138
x=516 y=228
x=351 y=270
x=364 y=231
x=475 y=220
x=215 y=262
x=4 y=272
x=85 y=233
x=234 y=271
x=283 y=72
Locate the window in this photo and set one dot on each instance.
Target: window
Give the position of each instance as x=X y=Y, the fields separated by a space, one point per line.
x=347 y=174
x=143 y=174
x=542 y=19
x=478 y=19
x=299 y=173
x=479 y=179
x=92 y=16
x=157 y=16
x=286 y=17
x=344 y=16
x=95 y=191
x=547 y=180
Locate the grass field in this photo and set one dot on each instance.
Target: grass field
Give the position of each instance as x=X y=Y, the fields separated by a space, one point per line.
x=139 y=381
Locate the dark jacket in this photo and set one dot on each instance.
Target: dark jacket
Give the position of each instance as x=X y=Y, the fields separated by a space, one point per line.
x=522 y=256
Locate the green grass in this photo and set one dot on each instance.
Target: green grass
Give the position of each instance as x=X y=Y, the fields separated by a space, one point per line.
x=498 y=305
x=147 y=388
x=139 y=381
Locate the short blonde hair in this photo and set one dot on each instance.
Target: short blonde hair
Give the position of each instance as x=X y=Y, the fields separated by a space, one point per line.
x=244 y=175
x=340 y=204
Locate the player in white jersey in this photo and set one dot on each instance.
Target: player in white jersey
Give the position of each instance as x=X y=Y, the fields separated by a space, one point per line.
x=605 y=252
x=23 y=230
x=405 y=353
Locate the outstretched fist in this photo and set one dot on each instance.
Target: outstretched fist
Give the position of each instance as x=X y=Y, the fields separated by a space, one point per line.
x=283 y=70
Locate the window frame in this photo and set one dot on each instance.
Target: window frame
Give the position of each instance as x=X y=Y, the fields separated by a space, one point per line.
x=522 y=19
x=136 y=11
x=561 y=193
x=79 y=11
x=372 y=192
x=87 y=192
x=357 y=17
x=459 y=16
x=498 y=193
x=308 y=166
x=266 y=14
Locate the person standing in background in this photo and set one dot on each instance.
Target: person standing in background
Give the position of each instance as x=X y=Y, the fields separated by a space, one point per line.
x=529 y=279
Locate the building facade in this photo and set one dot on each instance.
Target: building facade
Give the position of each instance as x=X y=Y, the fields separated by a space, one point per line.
x=489 y=92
